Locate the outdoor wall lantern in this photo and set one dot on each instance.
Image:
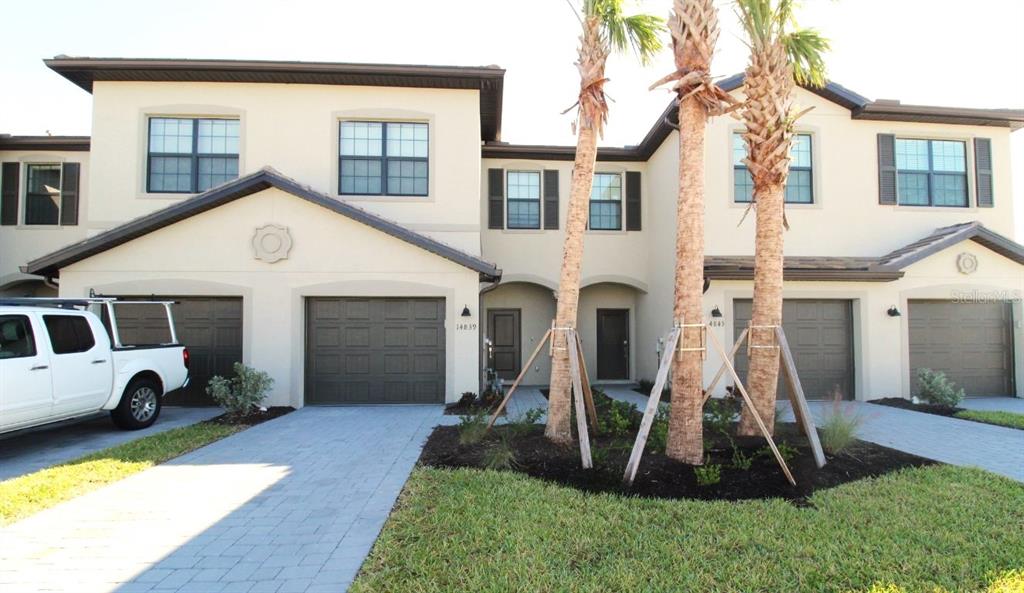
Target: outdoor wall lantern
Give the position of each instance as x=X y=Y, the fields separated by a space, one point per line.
x=716 y=313
x=465 y=311
x=893 y=312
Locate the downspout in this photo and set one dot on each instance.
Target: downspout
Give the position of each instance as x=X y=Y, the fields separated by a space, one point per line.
x=481 y=379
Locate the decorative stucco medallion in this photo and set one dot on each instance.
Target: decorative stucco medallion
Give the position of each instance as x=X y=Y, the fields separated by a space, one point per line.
x=271 y=243
x=967 y=263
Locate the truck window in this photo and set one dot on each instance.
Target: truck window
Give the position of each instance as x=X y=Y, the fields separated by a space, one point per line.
x=16 y=338
x=69 y=333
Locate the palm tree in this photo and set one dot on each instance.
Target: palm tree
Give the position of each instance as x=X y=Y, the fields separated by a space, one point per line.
x=781 y=55
x=605 y=28
x=694 y=29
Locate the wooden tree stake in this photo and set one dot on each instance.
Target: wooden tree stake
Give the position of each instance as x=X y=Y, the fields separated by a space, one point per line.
x=652 y=406
x=581 y=414
x=721 y=369
x=522 y=373
x=588 y=395
x=797 y=400
x=753 y=410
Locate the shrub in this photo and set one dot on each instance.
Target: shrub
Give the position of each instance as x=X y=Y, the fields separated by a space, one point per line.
x=533 y=415
x=468 y=399
x=708 y=475
x=741 y=460
x=657 y=438
x=472 y=428
x=242 y=394
x=524 y=424
x=839 y=429
x=500 y=455
x=936 y=388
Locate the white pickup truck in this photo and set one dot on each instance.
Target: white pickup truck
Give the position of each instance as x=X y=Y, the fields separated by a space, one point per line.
x=63 y=358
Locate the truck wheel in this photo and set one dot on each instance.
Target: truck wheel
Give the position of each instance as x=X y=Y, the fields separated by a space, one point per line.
x=139 y=406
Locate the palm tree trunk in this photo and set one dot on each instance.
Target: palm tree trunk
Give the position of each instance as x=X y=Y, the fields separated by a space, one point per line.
x=686 y=418
x=763 y=377
x=558 y=426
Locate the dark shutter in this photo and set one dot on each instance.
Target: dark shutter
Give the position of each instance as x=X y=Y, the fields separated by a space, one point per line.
x=551 y=199
x=495 y=198
x=983 y=172
x=9 y=193
x=633 y=201
x=887 y=169
x=69 y=194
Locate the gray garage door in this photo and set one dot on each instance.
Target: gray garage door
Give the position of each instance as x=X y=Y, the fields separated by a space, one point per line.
x=375 y=350
x=820 y=334
x=210 y=327
x=971 y=342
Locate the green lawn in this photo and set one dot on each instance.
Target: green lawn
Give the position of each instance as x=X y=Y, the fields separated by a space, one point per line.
x=1009 y=419
x=932 y=529
x=31 y=493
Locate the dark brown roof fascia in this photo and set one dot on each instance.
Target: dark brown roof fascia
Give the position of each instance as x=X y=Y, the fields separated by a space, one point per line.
x=50 y=265
x=946 y=237
x=55 y=143
x=492 y=150
x=488 y=80
x=829 y=274
x=885 y=111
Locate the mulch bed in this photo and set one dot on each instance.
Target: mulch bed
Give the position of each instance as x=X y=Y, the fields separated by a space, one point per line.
x=906 y=404
x=661 y=477
x=252 y=419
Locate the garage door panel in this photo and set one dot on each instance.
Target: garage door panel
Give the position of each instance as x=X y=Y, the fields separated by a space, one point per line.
x=820 y=334
x=394 y=348
x=972 y=343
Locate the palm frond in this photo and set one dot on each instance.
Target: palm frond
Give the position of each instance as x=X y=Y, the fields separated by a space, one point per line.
x=806 y=51
x=641 y=32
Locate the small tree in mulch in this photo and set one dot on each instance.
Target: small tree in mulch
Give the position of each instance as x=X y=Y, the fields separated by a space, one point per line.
x=243 y=394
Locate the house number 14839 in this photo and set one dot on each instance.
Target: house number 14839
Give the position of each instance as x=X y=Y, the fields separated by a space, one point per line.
x=466 y=326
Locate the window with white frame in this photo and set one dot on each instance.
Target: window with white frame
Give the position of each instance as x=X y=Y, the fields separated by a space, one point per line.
x=931 y=172
x=383 y=158
x=799 y=185
x=42 y=193
x=606 y=202
x=191 y=155
x=523 y=201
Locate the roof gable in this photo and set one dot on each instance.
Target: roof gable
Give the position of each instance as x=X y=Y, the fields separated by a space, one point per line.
x=947 y=237
x=50 y=265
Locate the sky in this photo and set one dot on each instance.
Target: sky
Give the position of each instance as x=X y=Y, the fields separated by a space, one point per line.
x=932 y=52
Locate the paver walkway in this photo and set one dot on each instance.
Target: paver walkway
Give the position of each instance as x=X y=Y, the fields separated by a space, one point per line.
x=27 y=452
x=292 y=505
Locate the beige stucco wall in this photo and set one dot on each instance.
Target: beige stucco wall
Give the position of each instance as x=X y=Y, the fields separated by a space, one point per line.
x=846 y=220
x=536 y=255
x=537 y=308
x=293 y=128
x=22 y=243
x=881 y=343
x=211 y=254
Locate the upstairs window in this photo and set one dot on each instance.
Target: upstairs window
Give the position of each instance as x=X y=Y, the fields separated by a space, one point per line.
x=606 y=202
x=383 y=158
x=42 y=194
x=799 y=184
x=523 y=199
x=191 y=155
x=931 y=172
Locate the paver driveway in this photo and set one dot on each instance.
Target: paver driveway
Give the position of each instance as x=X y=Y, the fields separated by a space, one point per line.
x=292 y=505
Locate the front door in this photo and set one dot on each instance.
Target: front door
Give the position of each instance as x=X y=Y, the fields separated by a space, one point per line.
x=506 y=346
x=612 y=344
